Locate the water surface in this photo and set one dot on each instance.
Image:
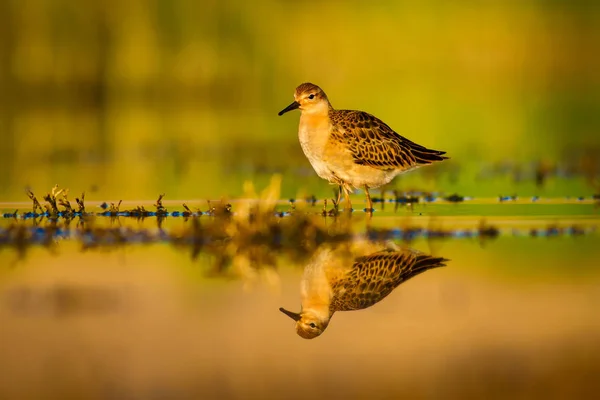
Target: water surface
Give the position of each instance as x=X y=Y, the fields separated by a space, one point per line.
x=513 y=315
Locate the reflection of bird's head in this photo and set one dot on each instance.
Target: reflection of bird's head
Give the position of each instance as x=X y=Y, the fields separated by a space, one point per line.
x=309 y=325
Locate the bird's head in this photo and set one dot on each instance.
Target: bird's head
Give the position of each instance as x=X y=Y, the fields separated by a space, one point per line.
x=309 y=98
x=309 y=324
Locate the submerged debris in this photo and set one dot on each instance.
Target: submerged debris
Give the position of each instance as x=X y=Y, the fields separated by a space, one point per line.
x=13 y=215
x=312 y=200
x=405 y=198
x=455 y=198
x=487 y=231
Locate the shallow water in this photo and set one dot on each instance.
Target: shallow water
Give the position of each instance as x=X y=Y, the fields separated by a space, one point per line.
x=512 y=315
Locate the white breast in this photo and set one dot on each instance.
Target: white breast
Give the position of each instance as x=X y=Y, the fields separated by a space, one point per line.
x=314 y=286
x=313 y=140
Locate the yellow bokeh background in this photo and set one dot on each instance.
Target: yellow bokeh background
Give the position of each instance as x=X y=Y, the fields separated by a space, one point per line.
x=136 y=98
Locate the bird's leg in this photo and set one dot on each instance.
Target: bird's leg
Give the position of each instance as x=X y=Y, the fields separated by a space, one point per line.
x=369 y=201
x=339 y=195
x=347 y=196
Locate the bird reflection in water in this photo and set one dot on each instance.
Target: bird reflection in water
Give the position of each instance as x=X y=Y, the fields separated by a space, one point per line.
x=338 y=280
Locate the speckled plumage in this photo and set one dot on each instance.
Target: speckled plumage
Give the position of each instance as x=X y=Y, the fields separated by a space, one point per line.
x=371 y=142
x=353 y=149
x=333 y=282
x=375 y=276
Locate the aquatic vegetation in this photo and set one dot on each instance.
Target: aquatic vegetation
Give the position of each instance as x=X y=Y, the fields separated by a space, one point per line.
x=249 y=234
x=58 y=206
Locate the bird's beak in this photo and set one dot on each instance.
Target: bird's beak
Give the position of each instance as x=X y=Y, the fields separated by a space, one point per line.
x=291 y=107
x=292 y=315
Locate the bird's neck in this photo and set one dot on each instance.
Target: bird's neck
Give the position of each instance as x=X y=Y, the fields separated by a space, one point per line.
x=320 y=110
x=314 y=121
x=321 y=311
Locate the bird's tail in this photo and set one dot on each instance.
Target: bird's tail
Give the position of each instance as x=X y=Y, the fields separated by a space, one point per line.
x=423 y=155
x=424 y=263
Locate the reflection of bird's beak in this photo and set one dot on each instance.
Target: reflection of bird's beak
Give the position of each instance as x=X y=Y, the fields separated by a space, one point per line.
x=292 y=315
x=291 y=107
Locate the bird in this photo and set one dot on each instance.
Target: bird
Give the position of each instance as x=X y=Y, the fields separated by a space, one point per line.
x=334 y=281
x=353 y=149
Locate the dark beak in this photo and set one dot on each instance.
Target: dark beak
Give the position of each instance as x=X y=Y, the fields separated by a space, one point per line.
x=291 y=107
x=292 y=315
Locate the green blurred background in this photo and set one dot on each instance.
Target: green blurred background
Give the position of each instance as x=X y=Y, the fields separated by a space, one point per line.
x=131 y=99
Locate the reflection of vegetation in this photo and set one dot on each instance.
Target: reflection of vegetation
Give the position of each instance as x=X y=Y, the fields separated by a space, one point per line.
x=343 y=280
x=64 y=300
x=256 y=232
x=241 y=240
x=251 y=235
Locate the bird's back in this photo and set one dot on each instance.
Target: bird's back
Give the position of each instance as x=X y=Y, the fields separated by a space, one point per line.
x=373 y=143
x=375 y=276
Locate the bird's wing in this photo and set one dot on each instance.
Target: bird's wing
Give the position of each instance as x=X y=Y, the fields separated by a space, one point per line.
x=376 y=275
x=373 y=143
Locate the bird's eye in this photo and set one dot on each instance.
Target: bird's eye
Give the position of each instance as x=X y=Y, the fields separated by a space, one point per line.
x=312 y=324
x=311 y=96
